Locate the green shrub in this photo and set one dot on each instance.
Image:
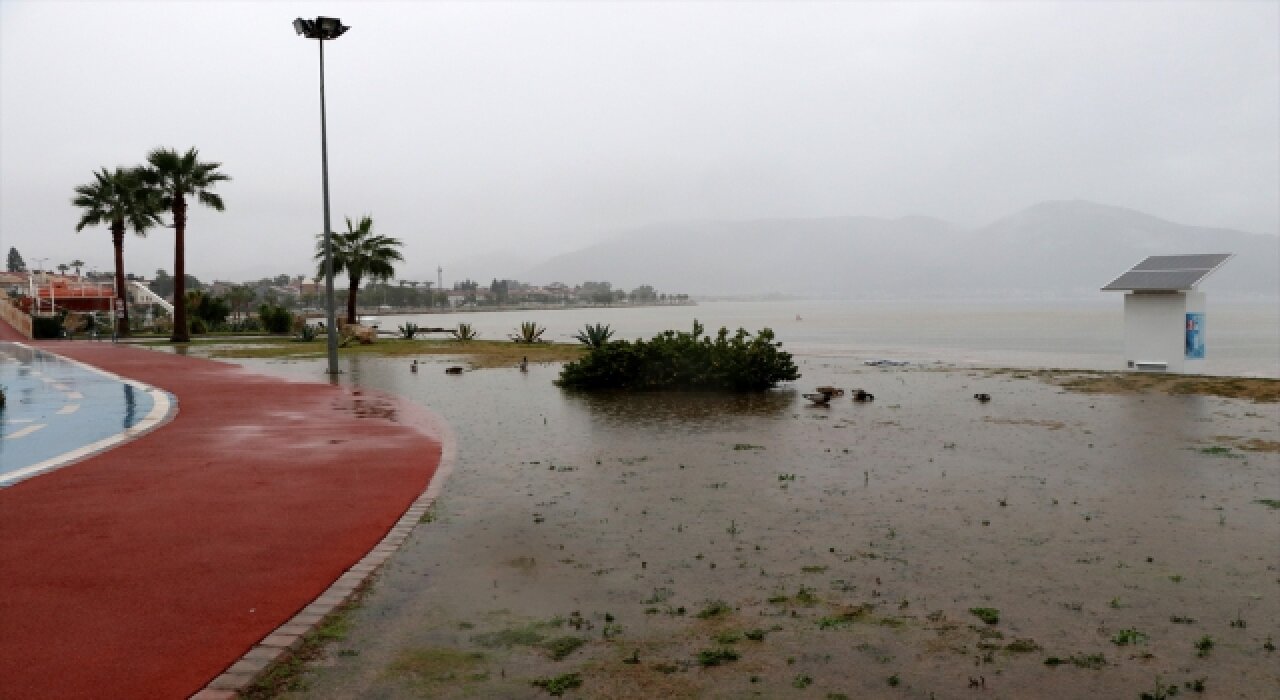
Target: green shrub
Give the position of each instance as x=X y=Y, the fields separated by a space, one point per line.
x=408 y=330
x=677 y=360
x=275 y=319
x=464 y=332
x=594 y=336
x=529 y=332
x=46 y=327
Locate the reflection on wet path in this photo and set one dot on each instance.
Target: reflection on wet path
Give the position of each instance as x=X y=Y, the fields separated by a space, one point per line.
x=59 y=410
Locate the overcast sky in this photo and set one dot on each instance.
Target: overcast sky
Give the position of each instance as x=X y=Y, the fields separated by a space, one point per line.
x=536 y=128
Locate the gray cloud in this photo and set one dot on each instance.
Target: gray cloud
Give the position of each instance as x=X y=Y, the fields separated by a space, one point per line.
x=537 y=128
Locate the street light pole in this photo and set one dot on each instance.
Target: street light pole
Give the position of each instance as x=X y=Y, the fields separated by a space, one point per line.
x=323 y=28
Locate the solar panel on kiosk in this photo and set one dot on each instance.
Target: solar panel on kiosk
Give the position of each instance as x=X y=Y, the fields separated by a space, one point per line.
x=1182 y=262
x=1168 y=273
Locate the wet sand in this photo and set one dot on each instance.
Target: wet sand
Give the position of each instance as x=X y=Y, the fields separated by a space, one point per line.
x=853 y=539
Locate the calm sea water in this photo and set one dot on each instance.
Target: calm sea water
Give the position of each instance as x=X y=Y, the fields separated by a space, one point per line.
x=1243 y=338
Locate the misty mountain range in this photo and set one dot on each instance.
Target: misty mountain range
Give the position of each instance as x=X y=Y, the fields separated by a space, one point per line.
x=1062 y=249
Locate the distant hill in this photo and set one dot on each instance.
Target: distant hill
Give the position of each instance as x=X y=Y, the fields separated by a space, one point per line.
x=1053 y=249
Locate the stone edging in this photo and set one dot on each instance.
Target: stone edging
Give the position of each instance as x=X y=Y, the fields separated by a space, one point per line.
x=241 y=675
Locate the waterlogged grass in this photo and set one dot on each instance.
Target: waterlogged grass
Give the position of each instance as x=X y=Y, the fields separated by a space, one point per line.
x=557 y=685
x=716 y=657
x=1251 y=388
x=439 y=665
x=480 y=354
x=991 y=616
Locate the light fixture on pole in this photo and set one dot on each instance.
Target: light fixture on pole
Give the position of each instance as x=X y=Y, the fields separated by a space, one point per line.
x=322 y=29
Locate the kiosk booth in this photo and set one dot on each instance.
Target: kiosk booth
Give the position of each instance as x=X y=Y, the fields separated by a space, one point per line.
x=1164 y=315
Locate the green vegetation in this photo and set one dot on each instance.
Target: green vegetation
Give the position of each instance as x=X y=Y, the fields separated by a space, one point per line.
x=1090 y=661
x=439 y=665
x=118 y=199
x=464 y=333
x=1272 y=503
x=594 y=336
x=690 y=361
x=275 y=319
x=990 y=616
x=361 y=253
x=560 y=647
x=1126 y=637
x=715 y=657
x=170 y=179
x=529 y=332
x=408 y=330
x=714 y=608
x=556 y=685
x=1204 y=645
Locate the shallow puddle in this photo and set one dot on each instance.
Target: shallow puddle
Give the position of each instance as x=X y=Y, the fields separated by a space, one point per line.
x=739 y=546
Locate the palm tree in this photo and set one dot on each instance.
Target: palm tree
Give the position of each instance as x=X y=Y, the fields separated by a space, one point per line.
x=239 y=297
x=62 y=268
x=77 y=264
x=117 y=199
x=172 y=178
x=362 y=253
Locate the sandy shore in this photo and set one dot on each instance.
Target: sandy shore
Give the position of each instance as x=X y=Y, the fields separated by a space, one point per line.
x=835 y=552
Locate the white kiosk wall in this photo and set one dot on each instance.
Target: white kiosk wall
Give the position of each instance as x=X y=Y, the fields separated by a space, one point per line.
x=1164 y=331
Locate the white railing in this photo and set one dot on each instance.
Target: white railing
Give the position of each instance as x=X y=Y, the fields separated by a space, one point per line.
x=142 y=294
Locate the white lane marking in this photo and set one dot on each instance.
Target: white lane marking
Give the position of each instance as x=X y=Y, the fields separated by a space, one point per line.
x=163 y=408
x=24 y=432
x=68 y=409
x=74 y=395
x=61 y=387
x=158 y=415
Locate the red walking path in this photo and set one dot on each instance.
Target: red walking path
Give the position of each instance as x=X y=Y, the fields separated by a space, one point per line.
x=144 y=571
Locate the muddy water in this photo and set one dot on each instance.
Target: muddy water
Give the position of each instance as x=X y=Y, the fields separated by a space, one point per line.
x=855 y=537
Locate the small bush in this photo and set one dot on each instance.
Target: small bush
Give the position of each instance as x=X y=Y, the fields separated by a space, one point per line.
x=46 y=327
x=990 y=616
x=529 y=332
x=408 y=330
x=594 y=336
x=275 y=319
x=558 y=684
x=715 y=657
x=464 y=332
x=692 y=361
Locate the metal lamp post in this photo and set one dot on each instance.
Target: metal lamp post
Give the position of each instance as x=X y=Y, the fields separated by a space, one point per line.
x=325 y=28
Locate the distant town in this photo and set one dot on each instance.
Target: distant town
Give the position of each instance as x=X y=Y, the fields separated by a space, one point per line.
x=301 y=293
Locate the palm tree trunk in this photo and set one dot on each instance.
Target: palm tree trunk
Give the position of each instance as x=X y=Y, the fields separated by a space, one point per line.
x=117 y=241
x=353 y=288
x=181 y=334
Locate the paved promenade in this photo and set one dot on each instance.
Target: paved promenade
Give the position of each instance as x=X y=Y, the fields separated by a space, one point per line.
x=145 y=571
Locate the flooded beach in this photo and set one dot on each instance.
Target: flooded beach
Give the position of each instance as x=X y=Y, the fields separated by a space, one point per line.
x=1047 y=543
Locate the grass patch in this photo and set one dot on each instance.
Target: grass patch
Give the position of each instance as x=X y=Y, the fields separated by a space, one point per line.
x=480 y=354
x=285 y=674
x=1126 y=637
x=1090 y=661
x=557 y=685
x=716 y=657
x=1272 y=503
x=1219 y=451
x=1022 y=646
x=531 y=634
x=1255 y=389
x=714 y=608
x=991 y=616
x=439 y=665
x=560 y=647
